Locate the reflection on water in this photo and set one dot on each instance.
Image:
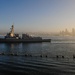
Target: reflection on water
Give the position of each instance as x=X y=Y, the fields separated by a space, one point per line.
x=50 y=65
x=21 y=48
x=37 y=49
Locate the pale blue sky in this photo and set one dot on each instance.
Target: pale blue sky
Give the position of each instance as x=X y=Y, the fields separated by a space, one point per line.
x=37 y=15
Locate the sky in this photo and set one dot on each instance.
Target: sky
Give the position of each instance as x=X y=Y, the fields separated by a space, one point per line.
x=37 y=15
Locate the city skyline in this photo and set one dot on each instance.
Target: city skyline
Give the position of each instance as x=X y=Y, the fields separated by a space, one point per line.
x=59 y=33
x=43 y=16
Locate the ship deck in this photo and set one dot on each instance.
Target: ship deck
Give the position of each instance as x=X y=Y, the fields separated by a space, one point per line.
x=24 y=40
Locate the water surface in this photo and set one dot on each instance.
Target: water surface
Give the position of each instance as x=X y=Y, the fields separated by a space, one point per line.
x=38 y=58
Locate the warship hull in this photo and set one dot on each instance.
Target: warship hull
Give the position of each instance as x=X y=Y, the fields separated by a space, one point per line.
x=24 y=40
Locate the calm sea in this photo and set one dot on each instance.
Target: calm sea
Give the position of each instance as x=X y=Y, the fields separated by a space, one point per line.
x=55 y=58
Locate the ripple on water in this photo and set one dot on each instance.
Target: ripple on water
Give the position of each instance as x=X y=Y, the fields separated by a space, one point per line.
x=36 y=65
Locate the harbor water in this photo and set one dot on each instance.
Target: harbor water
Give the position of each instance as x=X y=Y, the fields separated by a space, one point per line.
x=55 y=58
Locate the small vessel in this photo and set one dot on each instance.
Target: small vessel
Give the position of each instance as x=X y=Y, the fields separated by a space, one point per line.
x=15 y=38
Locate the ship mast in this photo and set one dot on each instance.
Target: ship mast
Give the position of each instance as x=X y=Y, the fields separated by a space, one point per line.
x=12 y=31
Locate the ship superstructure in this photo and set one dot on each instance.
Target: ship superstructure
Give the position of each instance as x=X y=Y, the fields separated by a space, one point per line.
x=12 y=31
x=11 y=34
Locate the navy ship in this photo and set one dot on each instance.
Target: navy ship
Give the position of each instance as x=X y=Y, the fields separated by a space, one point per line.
x=11 y=37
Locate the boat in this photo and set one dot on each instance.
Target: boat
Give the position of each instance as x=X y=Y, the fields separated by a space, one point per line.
x=11 y=37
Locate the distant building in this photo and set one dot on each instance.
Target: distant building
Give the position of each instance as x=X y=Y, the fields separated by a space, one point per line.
x=73 y=32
